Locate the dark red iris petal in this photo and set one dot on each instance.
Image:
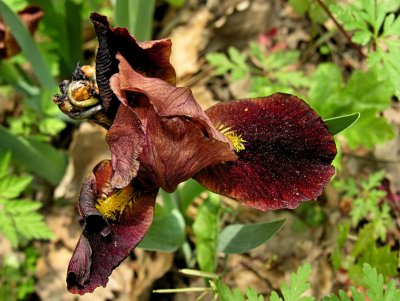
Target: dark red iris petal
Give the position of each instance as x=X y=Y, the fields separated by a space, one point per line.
x=166 y=99
x=125 y=138
x=175 y=149
x=287 y=156
x=179 y=138
x=99 y=252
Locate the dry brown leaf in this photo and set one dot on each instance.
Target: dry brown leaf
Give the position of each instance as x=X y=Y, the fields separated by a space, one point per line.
x=88 y=147
x=148 y=267
x=187 y=42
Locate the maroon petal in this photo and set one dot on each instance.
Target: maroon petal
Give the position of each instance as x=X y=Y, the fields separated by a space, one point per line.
x=99 y=252
x=30 y=17
x=180 y=139
x=167 y=100
x=287 y=156
x=125 y=138
x=175 y=149
x=80 y=263
x=150 y=58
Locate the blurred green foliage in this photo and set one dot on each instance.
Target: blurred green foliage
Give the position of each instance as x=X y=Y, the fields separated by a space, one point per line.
x=370 y=210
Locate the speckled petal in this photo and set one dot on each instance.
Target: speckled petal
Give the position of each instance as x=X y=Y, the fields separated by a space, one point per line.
x=287 y=156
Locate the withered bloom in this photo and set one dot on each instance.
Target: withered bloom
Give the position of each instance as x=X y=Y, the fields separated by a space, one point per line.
x=30 y=17
x=269 y=153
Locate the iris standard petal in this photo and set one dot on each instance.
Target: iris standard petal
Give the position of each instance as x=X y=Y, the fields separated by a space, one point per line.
x=150 y=58
x=180 y=139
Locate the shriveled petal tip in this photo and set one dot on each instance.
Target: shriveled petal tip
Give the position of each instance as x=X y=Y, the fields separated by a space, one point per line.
x=81 y=261
x=287 y=153
x=125 y=138
x=30 y=17
x=151 y=58
x=105 y=244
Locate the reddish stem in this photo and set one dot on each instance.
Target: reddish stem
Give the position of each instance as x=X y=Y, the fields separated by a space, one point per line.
x=341 y=29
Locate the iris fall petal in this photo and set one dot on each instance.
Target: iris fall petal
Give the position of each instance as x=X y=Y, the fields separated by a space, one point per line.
x=287 y=152
x=99 y=252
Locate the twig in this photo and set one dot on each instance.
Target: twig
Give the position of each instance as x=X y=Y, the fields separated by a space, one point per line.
x=341 y=29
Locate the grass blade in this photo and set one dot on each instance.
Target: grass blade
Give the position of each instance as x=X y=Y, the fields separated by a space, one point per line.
x=37 y=157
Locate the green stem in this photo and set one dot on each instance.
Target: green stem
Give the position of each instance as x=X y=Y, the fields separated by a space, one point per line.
x=182 y=290
x=198 y=273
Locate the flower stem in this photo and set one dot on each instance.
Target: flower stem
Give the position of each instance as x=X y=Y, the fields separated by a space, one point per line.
x=182 y=290
x=199 y=273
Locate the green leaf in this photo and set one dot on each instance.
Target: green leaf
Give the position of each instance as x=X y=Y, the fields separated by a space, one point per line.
x=300 y=6
x=28 y=46
x=221 y=62
x=176 y=3
x=12 y=186
x=123 y=11
x=11 y=75
x=37 y=157
x=297 y=287
x=367 y=91
x=137 y=16
x=74 y=30
x=337 y=256
x=188 y=192
x=167 y=232
x=206 y=229
x=235 y=63
x=225 y=293
x=326 y=83
x=381 y=258
x=241 y=238
x=280 y=59
x=19 y=219
x=369 y=131
x=339 y=124
x=51 y=126
x=252 y=295
x=7 y=227
x=5 y=158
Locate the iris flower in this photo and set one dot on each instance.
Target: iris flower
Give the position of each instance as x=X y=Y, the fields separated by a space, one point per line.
x=268 y=153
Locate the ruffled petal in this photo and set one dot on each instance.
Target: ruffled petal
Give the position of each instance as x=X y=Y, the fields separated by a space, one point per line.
x=149 y=58
x=125 y=138
x=287 y=152
x=99 y=252
x=180 y=139
x=167 y=100
x=175 y=149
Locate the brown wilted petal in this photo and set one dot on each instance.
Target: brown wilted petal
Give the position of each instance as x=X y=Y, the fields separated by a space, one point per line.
x=287 y=153
x=149 y=58
x=30 y=17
